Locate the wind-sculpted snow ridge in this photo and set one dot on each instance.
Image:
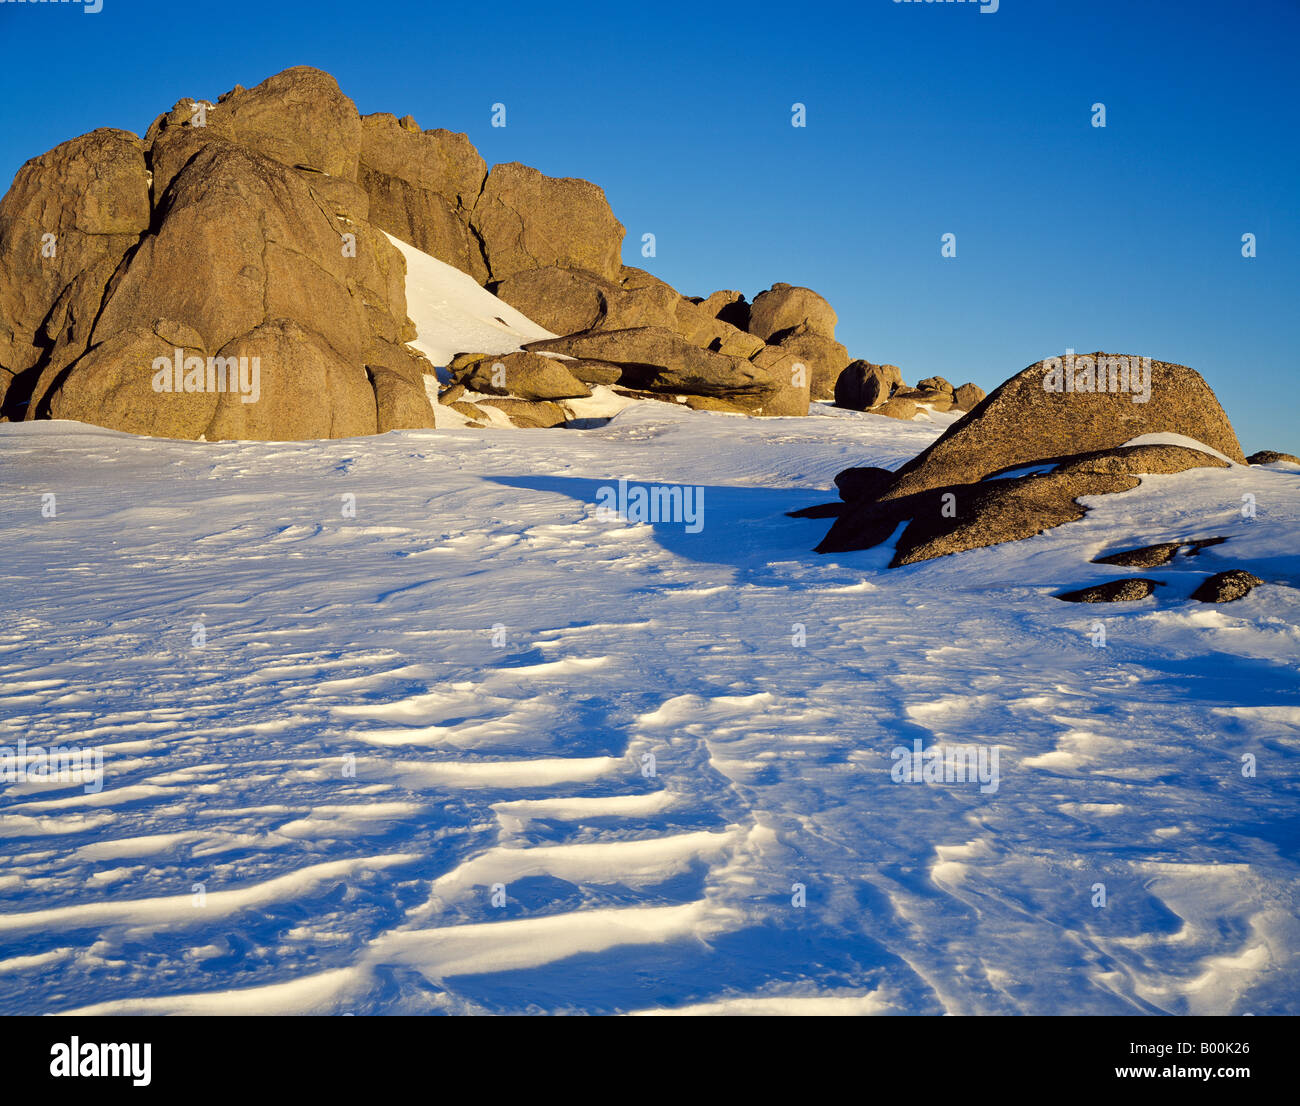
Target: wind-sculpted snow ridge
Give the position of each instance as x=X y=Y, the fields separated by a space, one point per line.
x=333 y=745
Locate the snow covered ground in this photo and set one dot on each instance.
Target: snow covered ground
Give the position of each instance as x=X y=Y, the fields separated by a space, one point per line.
x=307 y=805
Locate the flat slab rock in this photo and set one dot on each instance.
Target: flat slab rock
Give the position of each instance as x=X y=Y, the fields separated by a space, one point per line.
x=1154 y=556
x=1113 y=591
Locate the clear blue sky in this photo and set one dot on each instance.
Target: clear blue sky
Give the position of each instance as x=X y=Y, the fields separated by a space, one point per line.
x=922 y=119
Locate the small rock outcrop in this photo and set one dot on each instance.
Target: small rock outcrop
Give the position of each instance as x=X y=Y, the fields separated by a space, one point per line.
x=1227 y=587
x=1113 y=591
x=998 y=474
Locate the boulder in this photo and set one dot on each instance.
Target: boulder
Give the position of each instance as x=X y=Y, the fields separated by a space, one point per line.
x=784 y=308
x=463 y=361
x=298 y=117
x=562 y=300
x=897 y=409
x=714 y=403
x=526 y=220
x=469 y=410
x=656 y=359
x=728 y=306
x=265 y=249
x=862 y=385
x=1148 y=556
x=244 y=257
x=1113 y=591
x=66 y=223
x=112 y=385
x=525 y=376
x=649 y=301
x=308 y=390
x=567 y=301
x=824 y=357
x=1022 y=423
x=862 y=483
x=967 y=396
x=1154 y=556
x=399 y=405
x=1226 y=587
x=594 y=372
x=422 y=187
x=956 y=517
x=940 y=401
x=1271 y=457
x=397 y=374
x=936 y=384
x=790 y=394
x=529 y=414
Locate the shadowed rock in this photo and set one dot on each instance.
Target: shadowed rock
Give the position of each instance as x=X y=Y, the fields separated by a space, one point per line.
x=1113 y=591
x=957 y=517
x=1153 y=556
x=1148 y=556
x=862 y=385
x=1271 y=457
x=862 y=483
x=1226 y=587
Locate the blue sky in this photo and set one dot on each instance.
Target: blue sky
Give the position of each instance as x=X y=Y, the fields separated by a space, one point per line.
x=922 y=119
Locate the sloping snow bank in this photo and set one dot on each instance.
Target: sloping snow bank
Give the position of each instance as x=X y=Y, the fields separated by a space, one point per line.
x=454 y=315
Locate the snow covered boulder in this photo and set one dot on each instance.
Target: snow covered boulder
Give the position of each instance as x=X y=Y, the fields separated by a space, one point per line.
x=1272 y=457
x=1227 y=587
x=1113 y=591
